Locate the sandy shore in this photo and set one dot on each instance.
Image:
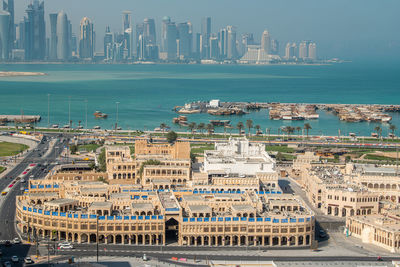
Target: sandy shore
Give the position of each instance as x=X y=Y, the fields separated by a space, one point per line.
x=14 y=73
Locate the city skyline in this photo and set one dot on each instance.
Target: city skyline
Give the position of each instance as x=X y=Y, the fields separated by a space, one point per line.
x=374 y=36
x=179 y=42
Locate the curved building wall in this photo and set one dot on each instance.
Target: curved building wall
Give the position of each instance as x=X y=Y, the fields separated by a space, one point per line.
x=62 y=36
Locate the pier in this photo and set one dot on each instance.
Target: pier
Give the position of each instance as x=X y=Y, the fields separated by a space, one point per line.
x=294 y=111
x=19 y=118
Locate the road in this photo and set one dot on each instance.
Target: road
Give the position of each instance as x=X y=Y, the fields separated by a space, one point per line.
x=7 y=210
x=167 y=253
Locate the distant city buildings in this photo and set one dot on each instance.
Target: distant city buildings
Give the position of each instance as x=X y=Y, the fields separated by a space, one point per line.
x=86 y=40
x=176 y=41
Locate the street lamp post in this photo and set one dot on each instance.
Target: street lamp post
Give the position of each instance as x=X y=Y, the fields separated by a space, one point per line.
x=48 y=110
x=97 y=244
x=116 y=122
x=86 y=113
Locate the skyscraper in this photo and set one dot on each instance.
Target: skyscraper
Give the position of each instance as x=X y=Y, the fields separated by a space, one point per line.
x=247 y=39
x=171 y=37
x=86 y=40
x=266 y=42
x=312 y=51
x=35 y=31
x=274 y=47
x=290 y=51
x=223 y=37
x=184 y=36
x=4 y=35
x=164 y=25
x=197 y=45
x=63 y=42
x=126 y=20
x=53 y=36
x=108 y=41
x=149 y=31
x=205 y=37
x=127 y=31
x=231 y=43
x=214 y=48
x=8 y=5
x=303 y=49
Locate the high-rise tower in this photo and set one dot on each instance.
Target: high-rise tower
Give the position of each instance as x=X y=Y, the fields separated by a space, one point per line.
x=184 y=36
x=4 y=35
x=53 y=36
x=86 y=40
x=149 y=31
x=205 y=37
x=8 y=5
x=164 y=25
x=231 y=43
x=266 y=42
x=62 y=36
x=35 y=31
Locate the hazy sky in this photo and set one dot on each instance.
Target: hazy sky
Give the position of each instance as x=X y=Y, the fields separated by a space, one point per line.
x=342 y=28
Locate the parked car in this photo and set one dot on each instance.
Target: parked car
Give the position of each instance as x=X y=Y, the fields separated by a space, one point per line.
x=14 y=259
x=7 y=264
x=322 y=233
x=65 y=243
x=28 y=260
x=7 y=244
x=17 y=241
x=66 y=247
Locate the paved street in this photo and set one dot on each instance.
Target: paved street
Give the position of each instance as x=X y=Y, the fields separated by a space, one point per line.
x=7 y=203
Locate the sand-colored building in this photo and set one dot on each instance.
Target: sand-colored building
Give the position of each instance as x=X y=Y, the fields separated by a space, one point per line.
x=154 y=165
x=152 y=199
x=328 y=189
x=384 y=180
x=382 y=230
x=78 y=210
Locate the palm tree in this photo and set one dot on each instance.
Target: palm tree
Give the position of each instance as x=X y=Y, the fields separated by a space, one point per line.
x=163 y=126
x=240 y=127
x=307 y=127
x=201 y=127
x=298 y=129
x=249 y=125
x=392 y=128
x=79 y=124
x=210 y=128
x=258 y=127
x=378 y=130
x=192 y=126
x=290 y=130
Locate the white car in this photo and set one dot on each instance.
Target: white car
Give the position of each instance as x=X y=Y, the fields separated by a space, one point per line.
x=65 y=243
x=17 y=241
x=28 y=260
x=7 y=264
x=14 y=259
x=66 y=247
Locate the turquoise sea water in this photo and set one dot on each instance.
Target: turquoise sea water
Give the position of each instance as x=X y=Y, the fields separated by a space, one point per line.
x=147 y=93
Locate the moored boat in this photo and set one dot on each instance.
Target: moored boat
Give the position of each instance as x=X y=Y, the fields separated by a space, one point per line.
x=100 y=115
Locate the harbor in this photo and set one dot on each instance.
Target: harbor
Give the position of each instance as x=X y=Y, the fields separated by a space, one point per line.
x=294 y=111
